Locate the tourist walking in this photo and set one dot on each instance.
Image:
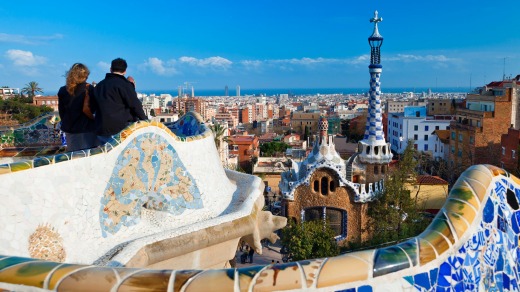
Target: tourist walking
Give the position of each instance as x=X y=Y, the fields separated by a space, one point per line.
x=115 y=103
x=251 y=253
x=79 y=128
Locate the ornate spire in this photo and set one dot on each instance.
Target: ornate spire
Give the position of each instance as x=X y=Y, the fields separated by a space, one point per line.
x=373 y=148
x=375 y=41
x=375 y=20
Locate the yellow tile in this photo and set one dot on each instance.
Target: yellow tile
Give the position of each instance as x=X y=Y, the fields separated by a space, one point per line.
x=90 y=279
x=60 y=273
x=210 y=279
x=149 y=280
x=426 y=252
x=440 y=224
x=437 y=241
x=181 y=277
x=343 y=269
x=286 y=276
x=458 y=223
x=465 y=193
x=460 y=208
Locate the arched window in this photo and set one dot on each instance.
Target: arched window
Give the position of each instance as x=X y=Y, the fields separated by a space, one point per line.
x=332 y=186
x=376 y=169
x=376 y=150
x=384 y=149
x=324 y=186
x=368 y=149
x=316 y=186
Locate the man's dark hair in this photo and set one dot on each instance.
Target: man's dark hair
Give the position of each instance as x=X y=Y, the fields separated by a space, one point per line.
x=118 y=65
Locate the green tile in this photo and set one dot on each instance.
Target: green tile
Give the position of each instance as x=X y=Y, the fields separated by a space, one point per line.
x=41 y=161
x=11 y=261
x=61 y=157
x=22 y=165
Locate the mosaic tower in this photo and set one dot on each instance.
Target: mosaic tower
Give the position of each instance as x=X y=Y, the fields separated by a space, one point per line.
x=373 y=149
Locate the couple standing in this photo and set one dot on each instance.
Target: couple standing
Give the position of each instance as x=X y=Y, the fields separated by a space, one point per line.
x=113 y=102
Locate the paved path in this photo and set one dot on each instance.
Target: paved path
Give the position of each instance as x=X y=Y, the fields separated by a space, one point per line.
x=268 y=255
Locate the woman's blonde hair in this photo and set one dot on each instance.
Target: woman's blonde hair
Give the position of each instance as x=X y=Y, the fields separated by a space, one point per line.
x=77 y=74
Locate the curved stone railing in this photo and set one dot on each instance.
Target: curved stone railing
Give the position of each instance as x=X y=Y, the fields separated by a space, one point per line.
x=471 y=245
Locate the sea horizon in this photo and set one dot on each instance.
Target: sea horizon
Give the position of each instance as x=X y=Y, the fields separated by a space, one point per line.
x=302 y=91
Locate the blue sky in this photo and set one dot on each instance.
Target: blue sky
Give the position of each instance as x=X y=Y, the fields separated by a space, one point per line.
x=259 y=44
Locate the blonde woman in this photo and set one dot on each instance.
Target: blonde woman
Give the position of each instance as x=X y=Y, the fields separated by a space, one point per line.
x=79 y=128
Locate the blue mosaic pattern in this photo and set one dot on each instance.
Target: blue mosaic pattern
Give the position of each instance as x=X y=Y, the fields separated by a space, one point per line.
x=488 y=261
x=374 y=125
x=148 y=174
x=188 y=125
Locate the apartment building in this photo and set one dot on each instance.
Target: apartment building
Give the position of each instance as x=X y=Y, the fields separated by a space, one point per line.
x=476 y=132
x=510 y=144
x=300 y=120
x=414 y=124
x=440 y=107
x=245 y=147
x=186 y=104
x=50 y=101
x=6 y=92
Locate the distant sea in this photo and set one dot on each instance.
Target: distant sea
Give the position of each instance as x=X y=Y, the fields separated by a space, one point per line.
x=306 y=91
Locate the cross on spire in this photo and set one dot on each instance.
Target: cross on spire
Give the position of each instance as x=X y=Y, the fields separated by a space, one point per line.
x=376 y=19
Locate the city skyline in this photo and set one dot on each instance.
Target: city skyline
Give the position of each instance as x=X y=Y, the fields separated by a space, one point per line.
x=268 y=44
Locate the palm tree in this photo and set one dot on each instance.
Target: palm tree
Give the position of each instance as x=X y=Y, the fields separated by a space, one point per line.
x=219 y=132
x=32 y=88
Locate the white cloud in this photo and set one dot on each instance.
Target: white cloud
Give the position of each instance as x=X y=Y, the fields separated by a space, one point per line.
x=27 y=40
x=176 y=66
x=159 y=67
x=24 y=58
x=363 y=59
x=103 y=66
x=251 y=64
x=213 y=62
x=420 y=58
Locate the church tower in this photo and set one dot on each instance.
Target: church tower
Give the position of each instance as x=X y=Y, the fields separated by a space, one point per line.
x=373 y=150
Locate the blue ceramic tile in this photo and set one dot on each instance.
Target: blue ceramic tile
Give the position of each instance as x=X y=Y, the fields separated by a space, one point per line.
x=365 y=288
x=489 y=212
x=422 y=280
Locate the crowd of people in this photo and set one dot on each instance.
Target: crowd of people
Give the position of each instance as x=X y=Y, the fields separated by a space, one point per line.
x=90 y=115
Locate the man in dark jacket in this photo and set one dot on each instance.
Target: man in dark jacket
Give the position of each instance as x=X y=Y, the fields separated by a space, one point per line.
x=115 y=102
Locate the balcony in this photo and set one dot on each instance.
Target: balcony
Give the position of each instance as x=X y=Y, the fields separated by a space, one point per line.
x=467 y=113
x=465 y=127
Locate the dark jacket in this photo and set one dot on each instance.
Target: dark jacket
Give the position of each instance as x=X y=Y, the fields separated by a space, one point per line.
x=73 y=120
x=115 y=105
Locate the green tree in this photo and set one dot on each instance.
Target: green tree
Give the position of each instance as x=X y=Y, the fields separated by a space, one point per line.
x=219 y=135
x=271 y=148
x=21 y=110
x=309 y=240
x=152 y=112
x=32 y=88
x=396 y=214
